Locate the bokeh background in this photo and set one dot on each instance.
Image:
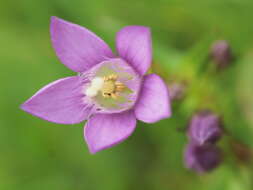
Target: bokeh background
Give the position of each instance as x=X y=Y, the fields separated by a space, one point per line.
x=36 y=154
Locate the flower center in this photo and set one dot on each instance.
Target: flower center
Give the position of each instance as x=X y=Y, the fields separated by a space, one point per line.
x=112 y=86
x=109 y=86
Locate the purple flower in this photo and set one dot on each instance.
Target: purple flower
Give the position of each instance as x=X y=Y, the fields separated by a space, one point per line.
x=221 y=53
x=202 y=158
x=205 y=127
x=177 y=90
x=111 y=91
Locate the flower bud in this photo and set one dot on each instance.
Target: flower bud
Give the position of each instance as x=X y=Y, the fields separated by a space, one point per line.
x=221 y=53
x=205 y=127
x=177 y=90
x=202 y=158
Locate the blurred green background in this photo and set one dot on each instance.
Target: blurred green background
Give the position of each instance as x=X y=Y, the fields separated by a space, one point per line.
x=36 y=154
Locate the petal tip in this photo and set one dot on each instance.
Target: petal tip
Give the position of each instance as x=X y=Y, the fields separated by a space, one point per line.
x=53 y=20
x=23 y=106
x=57 y=102
x=93 y=149
x=28 y=109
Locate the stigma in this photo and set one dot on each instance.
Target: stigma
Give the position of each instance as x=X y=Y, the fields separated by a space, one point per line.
x=108 y=86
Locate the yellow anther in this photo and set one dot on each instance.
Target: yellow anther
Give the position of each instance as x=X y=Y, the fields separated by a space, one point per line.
x=109 y=87
x=112 y=87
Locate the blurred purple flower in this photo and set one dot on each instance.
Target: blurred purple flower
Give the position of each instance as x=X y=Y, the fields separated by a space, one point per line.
x=202 y=158
x=205 y=127
x=111 y=92
x=221 y=53
x=177 y=90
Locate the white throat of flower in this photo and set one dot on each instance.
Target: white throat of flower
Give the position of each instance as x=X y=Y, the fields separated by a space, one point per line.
x=109 y=86
x=95 y=86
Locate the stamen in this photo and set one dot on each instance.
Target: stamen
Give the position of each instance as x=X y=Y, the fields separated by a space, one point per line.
x=109 y=87
x=112 y=87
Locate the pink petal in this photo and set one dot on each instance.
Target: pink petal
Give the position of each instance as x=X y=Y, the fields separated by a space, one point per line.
x=153 y=104
x=77 y=47
x=134 y=45
x=60 y=102
x=106 y=130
